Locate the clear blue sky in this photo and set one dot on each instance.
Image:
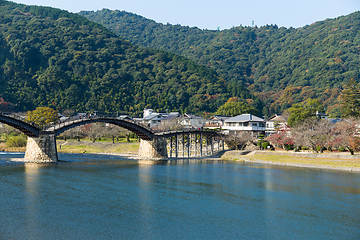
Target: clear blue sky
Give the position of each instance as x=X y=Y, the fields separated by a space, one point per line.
x=213 y=14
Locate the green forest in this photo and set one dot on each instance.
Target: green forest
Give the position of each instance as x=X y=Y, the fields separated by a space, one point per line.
x=53 y=58
x=281 y=66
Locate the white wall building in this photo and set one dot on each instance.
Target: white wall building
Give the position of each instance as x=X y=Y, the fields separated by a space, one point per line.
x=193 y=121
x=245 y=122
x=216 y=121
x=274 y=124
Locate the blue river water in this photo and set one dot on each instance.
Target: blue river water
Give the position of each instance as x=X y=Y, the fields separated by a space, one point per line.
x=111 y=197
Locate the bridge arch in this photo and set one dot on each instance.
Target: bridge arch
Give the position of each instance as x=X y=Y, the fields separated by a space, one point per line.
x=28 y=129
x=141 y=131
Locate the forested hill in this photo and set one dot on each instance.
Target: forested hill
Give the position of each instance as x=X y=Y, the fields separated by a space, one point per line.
x=55 y=58
x=281 y=65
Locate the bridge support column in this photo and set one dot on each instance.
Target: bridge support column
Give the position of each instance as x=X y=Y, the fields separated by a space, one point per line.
x=41 y=149
x=153 y=149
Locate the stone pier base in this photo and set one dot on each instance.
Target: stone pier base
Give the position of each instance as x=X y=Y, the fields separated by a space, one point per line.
x=153 y=149
x=41 y=149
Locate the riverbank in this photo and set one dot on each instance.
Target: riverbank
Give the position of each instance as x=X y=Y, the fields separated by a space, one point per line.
x=84 y=146
x=330 y=161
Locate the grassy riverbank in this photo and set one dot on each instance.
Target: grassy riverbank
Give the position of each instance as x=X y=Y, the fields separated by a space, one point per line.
x=11 y=149
x=73 y=146
x=343 y=161
x=84 y=146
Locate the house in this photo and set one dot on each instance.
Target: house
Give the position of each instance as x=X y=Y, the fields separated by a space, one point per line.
x=216 y=121
x=192 y=121
x=245 y=122
x=275 y=123
x=153 y=119
x=321 y=115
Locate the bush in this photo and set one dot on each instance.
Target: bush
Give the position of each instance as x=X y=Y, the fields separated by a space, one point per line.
x=265 y=145
x=16 y=141
x=341 y=149
x=288 y=147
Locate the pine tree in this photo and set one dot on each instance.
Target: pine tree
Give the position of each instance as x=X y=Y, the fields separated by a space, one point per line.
x=350 y=99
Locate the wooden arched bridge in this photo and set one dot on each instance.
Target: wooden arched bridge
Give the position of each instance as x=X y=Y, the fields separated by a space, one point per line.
x=41 y=146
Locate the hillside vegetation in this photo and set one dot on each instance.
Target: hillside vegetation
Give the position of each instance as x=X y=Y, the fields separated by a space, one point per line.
x=57 y=59
x=280 y=65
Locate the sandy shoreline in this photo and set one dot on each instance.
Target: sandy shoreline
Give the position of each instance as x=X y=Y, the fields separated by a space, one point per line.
x=306 y=157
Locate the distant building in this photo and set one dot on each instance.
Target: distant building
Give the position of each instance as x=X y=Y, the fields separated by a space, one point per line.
x=192 y=121
x=275 y=123
x=153 y=119
x=216 y=121
x=321 y=115
x=245 y=122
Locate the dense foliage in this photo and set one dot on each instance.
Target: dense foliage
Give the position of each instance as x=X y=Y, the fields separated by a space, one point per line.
x=57 y=59
x=233 y=108
x=350 y=99
x=42 y=116
x=281 y=65
x=299 y=112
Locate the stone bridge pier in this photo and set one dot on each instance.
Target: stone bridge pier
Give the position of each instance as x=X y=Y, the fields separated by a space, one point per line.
x=153 y=149
x=42 y=148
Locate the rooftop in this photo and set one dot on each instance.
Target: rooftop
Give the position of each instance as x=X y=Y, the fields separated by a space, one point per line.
x=245 y=118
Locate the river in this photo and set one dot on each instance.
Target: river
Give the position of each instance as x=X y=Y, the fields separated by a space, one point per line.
x=111 y=197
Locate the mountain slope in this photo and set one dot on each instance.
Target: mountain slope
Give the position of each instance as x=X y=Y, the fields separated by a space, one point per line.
x=55 y=58
x=282 y=66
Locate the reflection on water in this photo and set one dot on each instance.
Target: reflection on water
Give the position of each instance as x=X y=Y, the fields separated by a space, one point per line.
x=32 y=201
x=109 y=197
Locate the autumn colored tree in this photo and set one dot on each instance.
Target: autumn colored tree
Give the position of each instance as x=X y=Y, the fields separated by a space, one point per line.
x=346 y=134
x=281 y=139
x=42 y=116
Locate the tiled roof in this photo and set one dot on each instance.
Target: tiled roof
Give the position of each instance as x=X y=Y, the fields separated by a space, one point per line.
x=191 y=116
x=245 y=118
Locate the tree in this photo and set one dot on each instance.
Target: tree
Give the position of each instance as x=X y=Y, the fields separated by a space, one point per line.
x=313 y=133
x=281 y=139
x=94 y=130
x=350 y=99
x=112 y=131
x=346 y=134
x=237 y=140
x=42 y=116
x=301 y=111
x=236 y=108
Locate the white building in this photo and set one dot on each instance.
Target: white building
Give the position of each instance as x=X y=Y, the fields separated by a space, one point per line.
x=216 y=121
x=245 y=122
x=192 y=121
x=274 y=124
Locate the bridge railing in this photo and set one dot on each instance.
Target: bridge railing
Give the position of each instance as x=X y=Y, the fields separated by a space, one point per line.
x=85 y=117
x=20 y=118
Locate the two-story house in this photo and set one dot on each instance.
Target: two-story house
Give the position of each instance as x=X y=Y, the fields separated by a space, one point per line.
x=216 y=121
x=245 y=122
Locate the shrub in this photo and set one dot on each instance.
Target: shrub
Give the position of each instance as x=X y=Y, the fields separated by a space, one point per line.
x=341 y=149
x=288 y=147
x=265 y=145
x=16 y=141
